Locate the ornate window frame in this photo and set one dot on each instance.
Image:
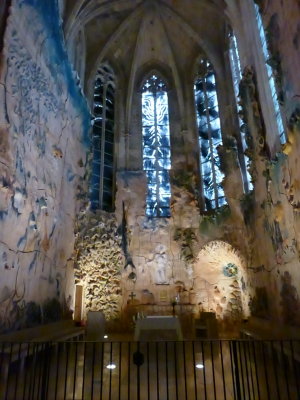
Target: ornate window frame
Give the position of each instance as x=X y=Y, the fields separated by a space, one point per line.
x=236 y=72
x=270 y=75
x=209 y=134
x=156 y=144
x=102 y=185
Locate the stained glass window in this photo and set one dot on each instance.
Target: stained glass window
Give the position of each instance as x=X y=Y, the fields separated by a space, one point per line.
x=270 y=73
x=156 y=146
x=103 y=140
x=236 y=77
x=210 y=136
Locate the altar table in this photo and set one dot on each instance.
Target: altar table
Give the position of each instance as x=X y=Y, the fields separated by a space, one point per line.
x=158 y=328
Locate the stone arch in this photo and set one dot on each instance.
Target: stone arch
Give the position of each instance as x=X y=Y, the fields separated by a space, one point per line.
x=220 y=281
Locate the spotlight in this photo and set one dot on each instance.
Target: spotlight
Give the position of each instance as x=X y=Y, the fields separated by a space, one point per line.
x=199 y=366
x=105 y=337
x=111 y=366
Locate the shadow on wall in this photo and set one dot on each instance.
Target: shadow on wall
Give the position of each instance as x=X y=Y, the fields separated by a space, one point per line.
x=27 y=315
x=259 y=304
x=290 y=302
x=220 y=281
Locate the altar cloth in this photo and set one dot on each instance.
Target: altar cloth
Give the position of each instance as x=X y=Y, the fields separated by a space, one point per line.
x=158 y=328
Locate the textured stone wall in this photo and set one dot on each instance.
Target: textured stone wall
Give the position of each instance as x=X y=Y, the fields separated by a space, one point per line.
x=126 y=259
x=99 y=263
x=161 y=255
x=44 y=126
x=275 y=221
x=240 y=257
x=282 y=22
x=273 y=209
x=244 y=256
x=177 y=258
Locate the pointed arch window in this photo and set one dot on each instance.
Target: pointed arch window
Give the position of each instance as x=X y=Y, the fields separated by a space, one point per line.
x=102 y=190
x=210 y=136
x=271 y=75
x=236 y=72
x=156 y=146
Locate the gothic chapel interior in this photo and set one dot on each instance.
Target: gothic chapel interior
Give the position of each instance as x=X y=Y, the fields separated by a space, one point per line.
x=149 y=162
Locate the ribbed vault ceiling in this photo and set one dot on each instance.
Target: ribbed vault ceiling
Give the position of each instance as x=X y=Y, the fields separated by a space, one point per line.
x=133 y=33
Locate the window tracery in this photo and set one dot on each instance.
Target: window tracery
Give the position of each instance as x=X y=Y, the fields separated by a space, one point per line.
x=210 y=136
x=156 y=146
x=236 y=71
x=103 y=140
x=270 y=74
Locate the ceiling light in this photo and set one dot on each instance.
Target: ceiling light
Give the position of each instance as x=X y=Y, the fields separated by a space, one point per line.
x=111 y=366
x=199 y=366
x=105 y=337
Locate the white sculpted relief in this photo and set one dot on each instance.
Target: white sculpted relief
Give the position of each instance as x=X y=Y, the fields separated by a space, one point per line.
x=160 y=266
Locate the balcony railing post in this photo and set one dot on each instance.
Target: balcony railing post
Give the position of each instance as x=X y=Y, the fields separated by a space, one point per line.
x=205 y=369
x=45 y=371
x=138 y=360
x=236 y=370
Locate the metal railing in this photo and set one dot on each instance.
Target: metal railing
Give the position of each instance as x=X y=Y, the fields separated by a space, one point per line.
x=188 y=370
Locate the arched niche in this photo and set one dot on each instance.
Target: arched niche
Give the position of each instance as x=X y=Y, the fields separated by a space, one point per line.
x=220 y=281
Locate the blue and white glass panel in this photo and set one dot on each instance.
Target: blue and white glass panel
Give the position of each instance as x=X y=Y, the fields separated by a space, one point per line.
x=103 y=140
x=236 y=78
x=210 y=136
x=156 y=147
x=270 y=74
x=235 y=64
